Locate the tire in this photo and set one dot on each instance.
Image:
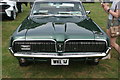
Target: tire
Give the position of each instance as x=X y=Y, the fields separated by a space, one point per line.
x=13 y=15
x=94 y=62
x=23 y=63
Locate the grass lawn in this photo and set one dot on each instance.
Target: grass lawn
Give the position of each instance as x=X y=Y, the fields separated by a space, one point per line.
x=0 y=50
x=11 y=68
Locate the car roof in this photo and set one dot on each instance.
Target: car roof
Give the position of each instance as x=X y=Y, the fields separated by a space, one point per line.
x=57 y=1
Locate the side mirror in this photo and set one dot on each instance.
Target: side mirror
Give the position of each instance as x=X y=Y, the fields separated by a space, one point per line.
x=88 y=12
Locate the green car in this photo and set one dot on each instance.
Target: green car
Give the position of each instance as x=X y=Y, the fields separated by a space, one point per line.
x=59 y=31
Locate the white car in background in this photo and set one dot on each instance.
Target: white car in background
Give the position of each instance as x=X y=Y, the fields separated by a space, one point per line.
x=8 y=8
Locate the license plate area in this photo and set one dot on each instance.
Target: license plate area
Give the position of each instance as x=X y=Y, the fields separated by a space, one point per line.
x=59 y=61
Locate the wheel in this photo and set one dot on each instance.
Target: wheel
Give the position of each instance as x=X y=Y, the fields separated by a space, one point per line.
x=23 y=62
x=94 y=62
x=13 y=15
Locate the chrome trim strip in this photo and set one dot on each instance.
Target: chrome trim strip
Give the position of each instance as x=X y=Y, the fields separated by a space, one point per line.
x=56 y=15
x=10 y=49
x=108 y=50
x=57 y=56
x=18 y=40
x=86 y=39
x=64 y=55
x=33 y=40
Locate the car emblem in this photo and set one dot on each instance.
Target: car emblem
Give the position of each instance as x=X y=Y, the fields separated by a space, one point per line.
x=60 y=47
x=25 y=47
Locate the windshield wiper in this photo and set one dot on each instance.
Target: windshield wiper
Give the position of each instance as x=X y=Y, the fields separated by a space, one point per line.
x=64 y=13
x=41 y=13
x=70 y=13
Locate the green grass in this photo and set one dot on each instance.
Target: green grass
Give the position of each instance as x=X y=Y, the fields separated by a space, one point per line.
x=11 y=68
x=0 y=49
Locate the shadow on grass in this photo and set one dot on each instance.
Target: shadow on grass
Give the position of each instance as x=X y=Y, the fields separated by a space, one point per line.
x=76 y=69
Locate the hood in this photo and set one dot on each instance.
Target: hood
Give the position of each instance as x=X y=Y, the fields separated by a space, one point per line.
x=85 y=29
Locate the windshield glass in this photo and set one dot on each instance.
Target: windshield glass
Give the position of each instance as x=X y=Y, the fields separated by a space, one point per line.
x=58 y=8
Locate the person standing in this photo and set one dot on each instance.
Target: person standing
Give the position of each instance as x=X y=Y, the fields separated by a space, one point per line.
x=116 y=14
x=31 y=4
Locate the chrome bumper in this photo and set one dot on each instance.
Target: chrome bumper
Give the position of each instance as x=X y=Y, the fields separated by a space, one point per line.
x=61 y=55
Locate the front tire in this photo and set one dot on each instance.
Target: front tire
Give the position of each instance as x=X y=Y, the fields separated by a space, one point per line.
x=23 y=62
x=94 y=62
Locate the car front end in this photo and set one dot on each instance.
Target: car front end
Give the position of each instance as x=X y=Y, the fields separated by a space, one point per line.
x=61 y=37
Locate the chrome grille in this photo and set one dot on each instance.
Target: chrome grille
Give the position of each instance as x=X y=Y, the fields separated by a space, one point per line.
x=85 y=46
x=51 y=46
x=34 y=46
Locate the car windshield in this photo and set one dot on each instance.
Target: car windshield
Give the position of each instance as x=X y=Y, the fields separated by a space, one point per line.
x=58 y=8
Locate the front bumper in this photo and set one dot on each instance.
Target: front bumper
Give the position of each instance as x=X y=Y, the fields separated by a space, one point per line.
x=61 y=55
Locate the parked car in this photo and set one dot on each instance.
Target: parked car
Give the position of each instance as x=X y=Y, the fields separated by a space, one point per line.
x=59 y=31
x=8 y=8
